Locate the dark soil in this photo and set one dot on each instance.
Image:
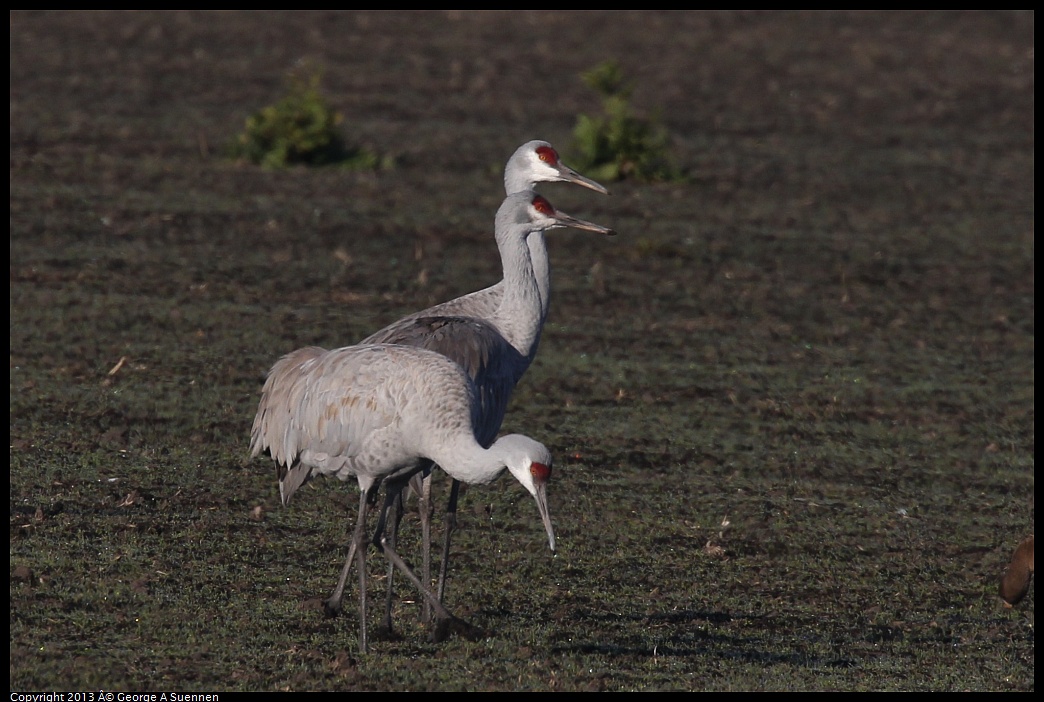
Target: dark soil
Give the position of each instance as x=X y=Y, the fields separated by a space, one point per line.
x=791 y=405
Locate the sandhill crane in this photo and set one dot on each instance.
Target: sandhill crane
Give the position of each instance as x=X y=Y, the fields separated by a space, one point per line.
x=1015 y=582
x=380 y=413
x=533 y=162
x=290 y=427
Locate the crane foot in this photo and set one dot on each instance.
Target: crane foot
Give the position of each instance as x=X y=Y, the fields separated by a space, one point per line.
x=332 y=608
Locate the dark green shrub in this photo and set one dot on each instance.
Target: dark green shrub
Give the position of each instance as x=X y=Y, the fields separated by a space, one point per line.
x=300 y=129
x=618 y=144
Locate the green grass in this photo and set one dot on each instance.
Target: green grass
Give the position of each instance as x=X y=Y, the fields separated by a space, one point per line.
x=824 y=337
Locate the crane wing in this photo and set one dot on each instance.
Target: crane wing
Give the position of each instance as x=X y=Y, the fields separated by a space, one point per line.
x=476 y=346
x=481 y=304
x=321 y=409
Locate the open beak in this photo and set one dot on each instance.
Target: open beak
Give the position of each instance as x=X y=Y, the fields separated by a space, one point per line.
x=570 y=176
x=541 y=500
x=565 y=220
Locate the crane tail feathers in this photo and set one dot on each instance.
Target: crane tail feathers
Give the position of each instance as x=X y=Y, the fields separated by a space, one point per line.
x=292 y=480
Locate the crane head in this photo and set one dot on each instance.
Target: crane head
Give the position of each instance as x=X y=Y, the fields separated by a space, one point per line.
x=530 y=463
x=544 y=214
x=538 y=162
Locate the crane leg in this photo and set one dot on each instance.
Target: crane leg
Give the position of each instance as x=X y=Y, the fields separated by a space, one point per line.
x=332 y=606
x=424 y=506
x=357 y=551
x=395 y=507
x=447 y=623
x=360 y=555
x=451 y=525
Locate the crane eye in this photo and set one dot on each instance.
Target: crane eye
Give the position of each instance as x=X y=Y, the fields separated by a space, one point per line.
x=541 y=205
x=540 y=472
x=547 y=155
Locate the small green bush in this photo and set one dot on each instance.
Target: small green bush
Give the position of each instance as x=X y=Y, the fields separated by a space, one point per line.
x=300 y=129
x=618 y=144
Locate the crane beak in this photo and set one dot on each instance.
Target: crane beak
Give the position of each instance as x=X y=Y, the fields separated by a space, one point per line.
x=564 y=220
x=568 y=175
x=545 y=514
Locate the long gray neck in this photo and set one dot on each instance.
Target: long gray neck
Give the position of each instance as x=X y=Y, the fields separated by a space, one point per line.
x=537 y=244
x=466 y=460
x=520 y=315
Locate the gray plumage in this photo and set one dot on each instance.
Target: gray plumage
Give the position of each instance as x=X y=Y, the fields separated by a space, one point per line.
x=373 y=412
x=481 y=350
x=380 y=413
